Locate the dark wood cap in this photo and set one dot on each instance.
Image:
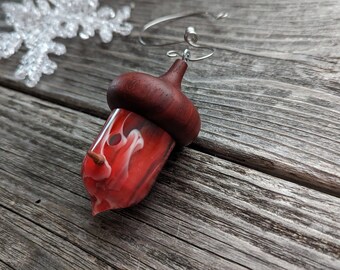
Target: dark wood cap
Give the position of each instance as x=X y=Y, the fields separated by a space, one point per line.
x=158 y=99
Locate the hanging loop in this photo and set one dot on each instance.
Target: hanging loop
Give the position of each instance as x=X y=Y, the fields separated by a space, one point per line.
x=190 y=36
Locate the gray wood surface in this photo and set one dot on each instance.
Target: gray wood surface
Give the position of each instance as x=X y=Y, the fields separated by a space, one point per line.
x=269 y=98
x=28 y=245
x=203 y=213
x=5 y=266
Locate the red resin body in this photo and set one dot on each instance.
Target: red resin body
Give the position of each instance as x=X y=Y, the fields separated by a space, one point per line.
x=135 y=151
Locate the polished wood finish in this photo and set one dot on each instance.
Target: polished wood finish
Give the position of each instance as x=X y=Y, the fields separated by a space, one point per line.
x=159 y=100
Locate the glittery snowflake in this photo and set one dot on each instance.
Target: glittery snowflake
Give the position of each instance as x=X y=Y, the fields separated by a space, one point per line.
x=37 y=23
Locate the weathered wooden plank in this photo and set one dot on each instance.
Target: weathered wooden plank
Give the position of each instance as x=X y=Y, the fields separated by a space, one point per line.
x=5 y=266
x=203 y=213
x=269 y=99
x=26 y=245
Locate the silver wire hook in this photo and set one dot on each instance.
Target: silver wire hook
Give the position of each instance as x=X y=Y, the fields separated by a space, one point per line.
x=191 y=38
x=190 y=35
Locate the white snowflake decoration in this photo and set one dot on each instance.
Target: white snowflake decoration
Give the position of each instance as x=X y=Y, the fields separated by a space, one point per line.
x=37 y=23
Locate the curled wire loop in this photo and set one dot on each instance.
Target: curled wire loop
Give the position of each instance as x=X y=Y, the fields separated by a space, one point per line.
x=190 y=36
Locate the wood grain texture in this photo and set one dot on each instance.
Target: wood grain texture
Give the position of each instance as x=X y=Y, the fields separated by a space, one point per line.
x=268 y=99
x=203 y=213
x=5 y=266
x=26 y=245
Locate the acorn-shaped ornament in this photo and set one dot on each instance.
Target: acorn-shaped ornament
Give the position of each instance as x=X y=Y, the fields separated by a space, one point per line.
x=149 y=116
